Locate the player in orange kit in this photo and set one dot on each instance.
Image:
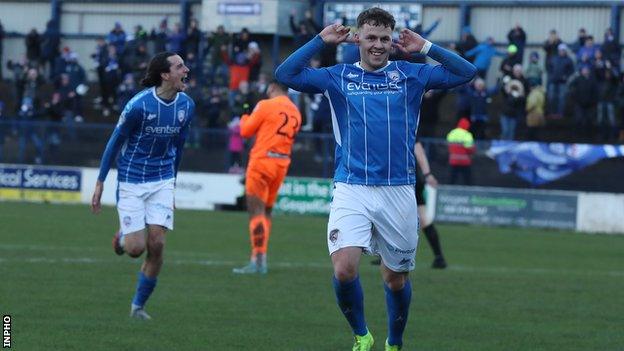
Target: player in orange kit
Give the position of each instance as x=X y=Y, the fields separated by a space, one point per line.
x=274 y=122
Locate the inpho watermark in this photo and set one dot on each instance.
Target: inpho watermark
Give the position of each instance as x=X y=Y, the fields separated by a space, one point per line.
x=6 y=332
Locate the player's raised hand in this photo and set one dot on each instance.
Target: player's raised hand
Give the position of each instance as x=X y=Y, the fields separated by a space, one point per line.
x=96 y=205
x=409 y=41
x=335 y=34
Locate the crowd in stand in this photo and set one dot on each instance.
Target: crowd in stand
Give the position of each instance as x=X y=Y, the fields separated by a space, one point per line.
x=584 y=83
x=583 y=80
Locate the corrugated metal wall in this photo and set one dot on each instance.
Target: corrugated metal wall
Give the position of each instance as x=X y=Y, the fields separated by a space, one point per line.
x=21 y=17
x=448 y=30
x=93 y=18
x=538 y=21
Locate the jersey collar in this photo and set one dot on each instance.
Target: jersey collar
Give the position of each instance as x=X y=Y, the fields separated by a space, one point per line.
x=358 y=65
x=161 y=100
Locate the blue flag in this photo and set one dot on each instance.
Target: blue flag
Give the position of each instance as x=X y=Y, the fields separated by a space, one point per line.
x=540 y=163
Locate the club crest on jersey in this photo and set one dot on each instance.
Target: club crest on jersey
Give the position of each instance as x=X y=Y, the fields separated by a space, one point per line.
x=394 y=75
x=181 y=115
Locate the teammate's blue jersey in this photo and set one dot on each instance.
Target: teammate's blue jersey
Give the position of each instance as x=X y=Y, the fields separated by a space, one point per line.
x=151 y=134
x=375 y=115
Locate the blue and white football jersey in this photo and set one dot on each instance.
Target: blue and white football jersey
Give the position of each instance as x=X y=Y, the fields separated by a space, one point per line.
x=375 y=115
x=153 y=130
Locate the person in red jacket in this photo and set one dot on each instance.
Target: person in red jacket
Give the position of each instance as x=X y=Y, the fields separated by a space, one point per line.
x=461 y=147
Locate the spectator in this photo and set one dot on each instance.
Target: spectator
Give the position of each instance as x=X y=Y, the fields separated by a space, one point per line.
x=160 y=36
x=19 y=73
x=483 y=54
x=55 y=110
x=126 y=90
x=321 y=124
x=112 y=78
x=235 y=147
x=215 y=105
x=60 y=62
x=430 y=111
x=241 y=41
x=551 y=45
x=305 y=30
x=255 y=59
x=1 y=48
x=588 y=49
x=175 y=40
x=535 y=111
x=76 y=76
x=517 y=37
x=480 y=97
x=100 y=57
x=510 y=60
x=192 y=63
x=3 y=127
x=460 y=148
x=466 y=43
x=619 y=102
x=51 y=41
x=30 y=111
x=607 y=89
x=240 y=67
x=136 y=62
x=584 y=94
x=218 y=67
x=193 y=38
x=117 y=38
x=514 y=104
x=559 y=70
x=140 y=35
x=534 y=71
x=33 y=46
x=463 y=94
x=611 y=49
x=580 y=40
x=195 y=92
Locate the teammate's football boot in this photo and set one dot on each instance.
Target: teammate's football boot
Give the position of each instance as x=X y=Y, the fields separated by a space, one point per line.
x=392 y=347
x=119 y=250
x=364 y=342
x=139 y=313
x=438 y=263
x=250 y=268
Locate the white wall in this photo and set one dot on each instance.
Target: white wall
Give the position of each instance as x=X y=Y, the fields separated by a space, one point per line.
x=600 y=212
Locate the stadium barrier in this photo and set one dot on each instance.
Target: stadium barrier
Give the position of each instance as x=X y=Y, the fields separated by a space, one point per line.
x=580 y=211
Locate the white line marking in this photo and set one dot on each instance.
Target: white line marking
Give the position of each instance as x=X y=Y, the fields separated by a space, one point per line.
x=204 y=259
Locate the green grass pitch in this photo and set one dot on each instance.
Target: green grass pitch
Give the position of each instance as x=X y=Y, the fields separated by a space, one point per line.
x=505 y=288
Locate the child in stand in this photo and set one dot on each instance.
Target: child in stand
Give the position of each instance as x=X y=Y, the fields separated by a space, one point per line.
x=235 y=147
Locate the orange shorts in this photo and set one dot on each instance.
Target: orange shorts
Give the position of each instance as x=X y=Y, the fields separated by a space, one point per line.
x=264 y=177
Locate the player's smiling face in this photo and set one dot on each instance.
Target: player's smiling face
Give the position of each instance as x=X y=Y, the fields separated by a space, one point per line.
x=178 y=73
x=375 y=46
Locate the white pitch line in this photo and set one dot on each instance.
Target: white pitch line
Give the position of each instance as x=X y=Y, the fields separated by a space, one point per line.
x=299 y=265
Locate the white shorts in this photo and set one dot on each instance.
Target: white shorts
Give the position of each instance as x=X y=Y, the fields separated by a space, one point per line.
x=383 y=220
x=145 y=203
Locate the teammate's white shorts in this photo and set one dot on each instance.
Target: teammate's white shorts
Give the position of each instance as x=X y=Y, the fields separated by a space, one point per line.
x=145 y=203
x=383 y=220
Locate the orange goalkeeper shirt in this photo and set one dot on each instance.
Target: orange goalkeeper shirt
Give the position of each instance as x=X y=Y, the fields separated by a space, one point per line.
x=275 y=123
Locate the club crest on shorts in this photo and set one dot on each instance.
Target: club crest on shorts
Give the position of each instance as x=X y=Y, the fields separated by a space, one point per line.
x=127 y=221
x=181 y=114
x=394 y=75
x=333 y=235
